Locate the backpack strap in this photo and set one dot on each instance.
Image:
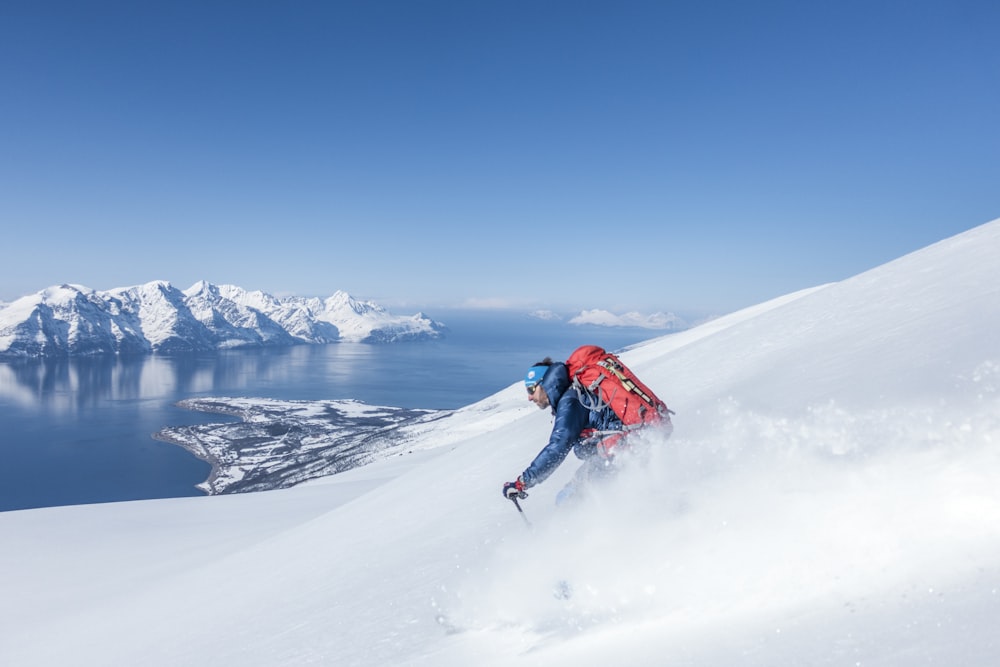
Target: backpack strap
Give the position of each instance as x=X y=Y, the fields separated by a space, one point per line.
x=614 y=368
x=590 y=397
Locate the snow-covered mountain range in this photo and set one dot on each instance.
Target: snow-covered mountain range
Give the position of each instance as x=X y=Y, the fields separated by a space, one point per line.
x=158 y=317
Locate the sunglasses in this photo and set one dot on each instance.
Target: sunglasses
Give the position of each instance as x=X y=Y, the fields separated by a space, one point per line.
x=531 y=389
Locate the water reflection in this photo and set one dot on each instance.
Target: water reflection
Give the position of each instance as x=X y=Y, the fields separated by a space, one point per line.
x=78 y=383
x=72 y=384
x=408 y=375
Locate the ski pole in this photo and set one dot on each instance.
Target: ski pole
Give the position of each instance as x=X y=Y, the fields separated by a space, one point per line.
x=520 y=511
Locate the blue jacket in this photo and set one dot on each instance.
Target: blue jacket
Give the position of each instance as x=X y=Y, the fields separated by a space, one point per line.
x=571 y=418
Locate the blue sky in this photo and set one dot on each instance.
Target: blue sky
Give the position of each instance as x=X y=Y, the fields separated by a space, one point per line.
x=690 y=156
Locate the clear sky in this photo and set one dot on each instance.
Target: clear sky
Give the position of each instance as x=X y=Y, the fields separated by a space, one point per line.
x=687 y=156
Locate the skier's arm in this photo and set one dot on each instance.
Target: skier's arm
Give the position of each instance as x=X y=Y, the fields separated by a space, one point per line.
x=571 y=417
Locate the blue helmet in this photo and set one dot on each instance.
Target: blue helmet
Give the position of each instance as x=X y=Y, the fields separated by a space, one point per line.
x=534 y=376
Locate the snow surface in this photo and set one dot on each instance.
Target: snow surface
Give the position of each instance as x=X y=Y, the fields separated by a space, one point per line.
x=830 y=497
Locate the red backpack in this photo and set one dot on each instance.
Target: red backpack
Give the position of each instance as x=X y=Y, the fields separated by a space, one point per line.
x=610 y=382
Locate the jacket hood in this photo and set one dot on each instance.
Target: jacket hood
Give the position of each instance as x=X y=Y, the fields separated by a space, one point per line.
x=555 y=383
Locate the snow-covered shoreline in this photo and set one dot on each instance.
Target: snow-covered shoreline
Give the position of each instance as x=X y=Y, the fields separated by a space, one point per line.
x=192 y=445
x=277 y=444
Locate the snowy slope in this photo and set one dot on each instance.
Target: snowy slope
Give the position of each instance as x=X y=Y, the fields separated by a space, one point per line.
x=829 y=497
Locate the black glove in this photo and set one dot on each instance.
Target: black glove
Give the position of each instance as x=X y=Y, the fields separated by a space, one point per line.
x=515 y=489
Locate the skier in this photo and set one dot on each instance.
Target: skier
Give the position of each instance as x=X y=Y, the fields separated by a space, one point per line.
x=577 y=427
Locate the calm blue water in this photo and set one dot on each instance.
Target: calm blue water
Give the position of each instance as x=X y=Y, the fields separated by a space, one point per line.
x=78 y=430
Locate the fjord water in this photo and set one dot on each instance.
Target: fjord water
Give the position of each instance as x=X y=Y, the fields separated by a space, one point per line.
x=78 y=430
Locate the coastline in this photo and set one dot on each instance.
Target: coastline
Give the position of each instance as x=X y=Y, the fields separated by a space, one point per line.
x=278 y=444
x=193 y=445
x=199 y=453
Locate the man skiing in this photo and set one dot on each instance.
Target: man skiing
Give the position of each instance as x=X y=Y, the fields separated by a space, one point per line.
x=577 y=427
